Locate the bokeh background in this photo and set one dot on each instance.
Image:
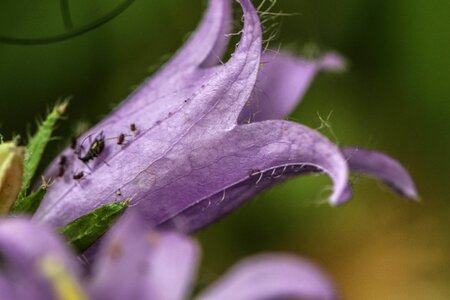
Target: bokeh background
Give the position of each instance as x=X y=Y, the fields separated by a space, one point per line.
x=395 y=97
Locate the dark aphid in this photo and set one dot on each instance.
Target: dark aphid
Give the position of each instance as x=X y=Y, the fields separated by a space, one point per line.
x=119 y=193
x=73 y=143
x=95 y=149
x=254 y=172
x=78 y=176
x=62 y=160
x=121 y=139
x=61 y=171
x=133 y=127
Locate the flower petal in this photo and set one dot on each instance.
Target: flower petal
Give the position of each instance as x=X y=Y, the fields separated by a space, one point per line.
x=382 y=167
x=137 y=263
x=146 y=160
x=182 y=75
x=271 y=277
x=222 y=40
x=176 y=80
x=7 y=291
x=241 y=71
x=250 y=158
x=24 y=246
x=282 y=83
x=206 y=46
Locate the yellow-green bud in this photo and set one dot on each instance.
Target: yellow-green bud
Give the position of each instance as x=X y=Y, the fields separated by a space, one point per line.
x=11 y=174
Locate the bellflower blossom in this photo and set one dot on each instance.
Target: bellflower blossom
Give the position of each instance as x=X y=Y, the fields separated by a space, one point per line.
x=201 y=137
x=137 y=263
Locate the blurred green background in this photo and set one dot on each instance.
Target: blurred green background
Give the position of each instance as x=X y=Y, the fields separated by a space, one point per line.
x=394 y=98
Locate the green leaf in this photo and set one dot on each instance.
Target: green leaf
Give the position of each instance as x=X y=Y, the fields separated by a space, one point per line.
x=37 y=144
x=84 y=231
x=29 y=204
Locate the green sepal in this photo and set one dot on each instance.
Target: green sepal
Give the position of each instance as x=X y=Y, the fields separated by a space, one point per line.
x=84 y=231
x=37 y=144
x=30 y=203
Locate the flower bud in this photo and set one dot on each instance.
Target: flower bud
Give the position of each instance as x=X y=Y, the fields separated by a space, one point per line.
x=11 y=173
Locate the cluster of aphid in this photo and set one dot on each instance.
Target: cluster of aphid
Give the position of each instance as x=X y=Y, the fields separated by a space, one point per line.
x=96 y=148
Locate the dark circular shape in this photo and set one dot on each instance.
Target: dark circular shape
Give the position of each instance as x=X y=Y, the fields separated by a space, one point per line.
x=71 y=33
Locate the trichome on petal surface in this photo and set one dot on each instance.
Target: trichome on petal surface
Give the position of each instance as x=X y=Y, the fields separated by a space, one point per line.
x=189 y=146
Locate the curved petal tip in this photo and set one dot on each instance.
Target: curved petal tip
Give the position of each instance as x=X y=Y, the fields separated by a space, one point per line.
x=333 y=61
x=341 y=197
x=384 y=168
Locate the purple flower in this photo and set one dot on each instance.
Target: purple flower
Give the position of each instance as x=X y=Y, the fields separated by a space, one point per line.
x=199 y=138
x=137 y=263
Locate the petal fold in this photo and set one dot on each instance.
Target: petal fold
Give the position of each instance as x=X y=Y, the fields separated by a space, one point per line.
x=381 y=167
x=240 y=73
x=272 y=277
